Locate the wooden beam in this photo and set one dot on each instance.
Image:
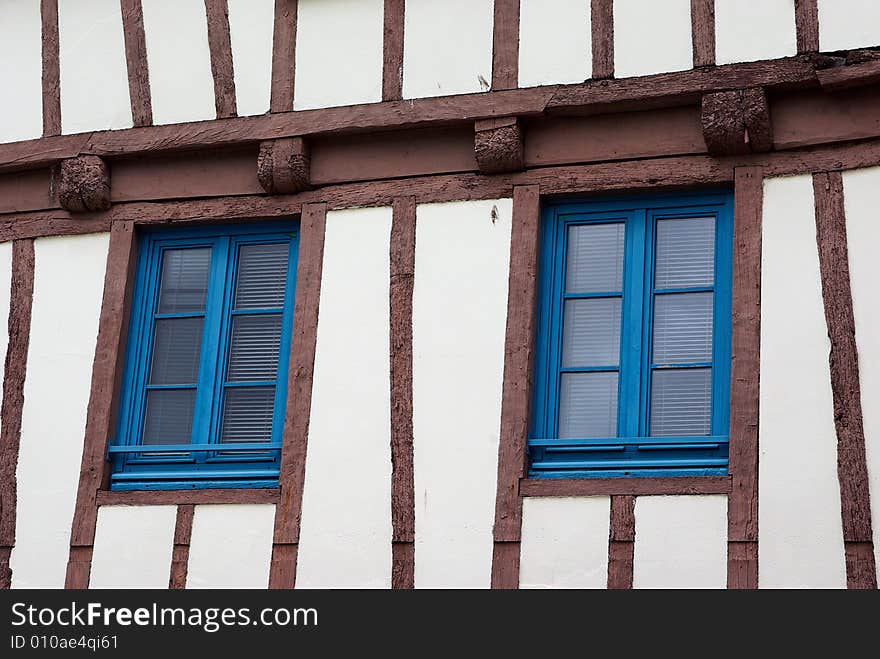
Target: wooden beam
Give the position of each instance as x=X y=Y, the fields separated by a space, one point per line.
x=283 y=56
x=220 y=46
x=498 y=145
x=703 y=32
x=589 y=487
x=284 y=165
x=846 y=77
x=84 y=184
x=189 y=497
x=392 y=50
x=806 y=18
x=737 y=122
x=602 y=32
x=180 y=551
x=505 y=45
x=136 y=61
x=51 y=70
x=621 y=542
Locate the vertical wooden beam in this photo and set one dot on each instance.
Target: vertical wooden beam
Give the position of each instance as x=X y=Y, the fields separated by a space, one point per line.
x=602 y=30
x=852 y=468
x=703 y=31
x=51 y=70
x=505 y=45
x=403 y=256
x=283 y=56
x=282 y=573
x=621 y=542
x=180 y=553
x=519 y=346
x=742 y=508
x=136 y=60
x=21 y=295
x=392 y=50
x=101 y=411
x=806 y=19
x=221 y=57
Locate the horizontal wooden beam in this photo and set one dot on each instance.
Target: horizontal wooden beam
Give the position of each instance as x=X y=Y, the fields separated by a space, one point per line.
x=847 y=77
x=584 y=487
x=187 y=497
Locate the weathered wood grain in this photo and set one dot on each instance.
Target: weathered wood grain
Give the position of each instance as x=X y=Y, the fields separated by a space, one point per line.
x=505 y=45
x=220 y=46
x=136 y=61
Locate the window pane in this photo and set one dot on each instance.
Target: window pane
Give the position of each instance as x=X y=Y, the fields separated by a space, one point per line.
x=591 y=332
x=681 y=402
x=262 y=273
x=253 y=354
x=588 y=405
x=184 y=283
x=247 y=414
x=685 y=252
x=176 y=351
x=682 y=328
x=595 y=258
x=169 y=416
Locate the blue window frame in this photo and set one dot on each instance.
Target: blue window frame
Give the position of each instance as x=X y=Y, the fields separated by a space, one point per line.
x=205 y=380
x=632 y=363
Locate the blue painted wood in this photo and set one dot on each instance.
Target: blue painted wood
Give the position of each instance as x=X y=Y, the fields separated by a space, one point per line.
x=135 y=466
x=640 y=455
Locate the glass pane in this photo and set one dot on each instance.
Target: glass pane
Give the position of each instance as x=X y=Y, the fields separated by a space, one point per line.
x=184 y=283
x=682 y=328
x=685 y=252
x=247 y=415
x=169 y=416
x=591 y=332
x=681 y=402
x=262 y=272
x=253 y=354
x=176 y=350
x=588 y=405
x=595 y=258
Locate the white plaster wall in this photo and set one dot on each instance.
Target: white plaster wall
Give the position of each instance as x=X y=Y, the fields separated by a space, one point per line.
x=652 y=37
x=68 y=287
x=251 y=25
x=338 y=53
x=5 y=290
x=21 y=70
x=179 y=61
x=447 y=47
x=459 y=320
x=345 y=538
x=133 y=546
x=94 y=73
x=863 y=234
x=848 y=24
x=748 y=30
x=554 y=42
x=564 y=542
x=681 y=542
x=800 y=534
x=231 y=546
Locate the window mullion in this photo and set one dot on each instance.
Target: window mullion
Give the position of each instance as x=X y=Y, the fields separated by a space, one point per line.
x=631 y=356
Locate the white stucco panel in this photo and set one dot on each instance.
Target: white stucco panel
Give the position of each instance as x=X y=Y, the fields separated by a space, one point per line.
x=847 y=24
x=748 y=30
x=179 y=61
x=554 y=42
x=68 y=288
x=21 y=70
x=231 y=546
x=863 y=234
x=338 y=53
x=652 y=37
x=94 y=73
x=251 y=26
x=5 y=290
x=564 y=542
x=345 y=538
x=447 y=47
x=459 y=320
x=681 y=542
x=133 y=546
x=800 y=533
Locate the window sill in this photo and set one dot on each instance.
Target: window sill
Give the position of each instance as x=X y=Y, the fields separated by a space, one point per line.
x=182 y=497
x=572 y=487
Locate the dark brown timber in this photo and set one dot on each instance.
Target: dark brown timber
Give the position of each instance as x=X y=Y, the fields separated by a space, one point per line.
x=51 y=69
x=19 y=324
x=283 y=54
x=703 y=31
x=282 y=573
x=392 y=50
x=852 y=469
x=621 y=542
x=180 y=552
x=191 y=497
x=742 y=507
x=806 y=19
x=589 y=487
x=106 y=376
x=221 y=57
x=846 y=77
x=403 y=256
x=516 y=389
x=136 y=59
x=602 y=30
x=505 y=45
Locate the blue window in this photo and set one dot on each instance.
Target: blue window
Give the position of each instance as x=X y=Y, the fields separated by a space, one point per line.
x=633 y=340
x=205 y=380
